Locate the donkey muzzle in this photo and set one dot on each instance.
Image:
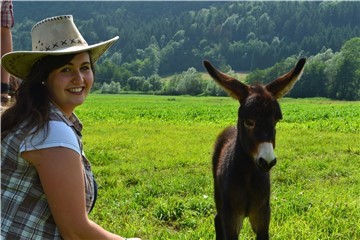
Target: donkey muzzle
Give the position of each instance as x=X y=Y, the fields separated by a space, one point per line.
x=265 y=159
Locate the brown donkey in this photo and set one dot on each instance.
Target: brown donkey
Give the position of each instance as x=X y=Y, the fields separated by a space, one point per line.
x=244 y=154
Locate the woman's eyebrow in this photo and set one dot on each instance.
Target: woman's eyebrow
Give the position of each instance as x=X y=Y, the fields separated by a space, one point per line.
x=83 y=63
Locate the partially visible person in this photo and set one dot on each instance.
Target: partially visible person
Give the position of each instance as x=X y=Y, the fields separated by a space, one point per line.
x=7 y=23
x=47 y=185
x=14 y=84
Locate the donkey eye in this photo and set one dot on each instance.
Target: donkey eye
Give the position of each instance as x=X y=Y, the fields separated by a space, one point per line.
x=249 y=123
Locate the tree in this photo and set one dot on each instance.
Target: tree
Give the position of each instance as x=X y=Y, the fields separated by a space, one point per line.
x=343 y=72
x=212 y=89
x=313 y=81
x=155 y=82
x=349 y=73
x=171 y=85
x=151 y=59
x=190 y=82
x=331 y=72
x=112 y=88
x=136 y=83
x=105 y=70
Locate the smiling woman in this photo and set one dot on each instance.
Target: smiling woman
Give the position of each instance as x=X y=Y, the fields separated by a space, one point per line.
x=69 y=85
x=47 y=185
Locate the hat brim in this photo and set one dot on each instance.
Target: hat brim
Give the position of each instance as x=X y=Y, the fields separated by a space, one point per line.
x=19 y=63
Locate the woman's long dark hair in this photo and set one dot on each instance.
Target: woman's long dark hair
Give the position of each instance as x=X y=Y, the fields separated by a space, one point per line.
x=32 y=103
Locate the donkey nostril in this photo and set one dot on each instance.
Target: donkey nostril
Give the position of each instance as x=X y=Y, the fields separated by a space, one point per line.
x=262 y=162
x=272 y=163
x=265 y=165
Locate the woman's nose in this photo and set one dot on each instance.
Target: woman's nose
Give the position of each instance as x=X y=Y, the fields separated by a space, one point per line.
x=78 y=76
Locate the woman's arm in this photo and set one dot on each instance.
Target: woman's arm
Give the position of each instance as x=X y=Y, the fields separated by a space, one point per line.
x=62 y=178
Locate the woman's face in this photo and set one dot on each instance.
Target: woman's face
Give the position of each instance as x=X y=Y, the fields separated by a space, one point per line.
x=69 y=85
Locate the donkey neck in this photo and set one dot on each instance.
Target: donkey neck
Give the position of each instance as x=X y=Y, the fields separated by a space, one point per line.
x=242 y=159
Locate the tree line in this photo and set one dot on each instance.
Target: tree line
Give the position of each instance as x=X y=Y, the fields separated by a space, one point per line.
x=328 y=74
x=159 y=39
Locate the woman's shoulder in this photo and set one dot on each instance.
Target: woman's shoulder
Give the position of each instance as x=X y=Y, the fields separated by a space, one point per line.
x=57 y=134
x=60 y=128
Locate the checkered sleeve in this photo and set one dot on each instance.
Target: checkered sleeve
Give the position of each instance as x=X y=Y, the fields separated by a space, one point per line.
x=7 y=14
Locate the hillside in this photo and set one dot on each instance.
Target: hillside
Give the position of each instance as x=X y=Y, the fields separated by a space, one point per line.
x=173 y=38
x=244 y=35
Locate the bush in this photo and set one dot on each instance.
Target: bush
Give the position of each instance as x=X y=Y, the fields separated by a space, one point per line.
x=112 y=88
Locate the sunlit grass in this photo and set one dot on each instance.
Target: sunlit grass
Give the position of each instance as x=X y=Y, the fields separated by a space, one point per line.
x=151 y=157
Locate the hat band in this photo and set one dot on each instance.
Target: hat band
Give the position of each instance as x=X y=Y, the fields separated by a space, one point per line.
x=60 y=44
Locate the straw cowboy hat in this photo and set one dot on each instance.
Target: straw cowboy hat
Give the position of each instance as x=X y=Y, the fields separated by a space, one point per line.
x=52 y=36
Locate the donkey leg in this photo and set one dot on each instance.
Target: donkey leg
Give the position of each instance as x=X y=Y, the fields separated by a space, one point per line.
x=232 y=224
x=260 y=221
x=218 y=228
x=222 y=230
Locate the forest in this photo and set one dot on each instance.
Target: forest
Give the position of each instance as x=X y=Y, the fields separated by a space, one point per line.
x=162 y=44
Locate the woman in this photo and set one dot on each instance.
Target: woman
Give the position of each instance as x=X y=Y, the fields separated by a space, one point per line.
x=7 y=23
x=47 y=186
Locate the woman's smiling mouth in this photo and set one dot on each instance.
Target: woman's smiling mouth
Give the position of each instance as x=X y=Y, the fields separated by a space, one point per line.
x=76 y=90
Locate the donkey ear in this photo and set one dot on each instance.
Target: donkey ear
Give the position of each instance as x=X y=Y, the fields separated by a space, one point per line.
x=282 y=85
x=232 y=86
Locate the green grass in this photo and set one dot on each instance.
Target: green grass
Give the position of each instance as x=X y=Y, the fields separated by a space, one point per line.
x=151 y=157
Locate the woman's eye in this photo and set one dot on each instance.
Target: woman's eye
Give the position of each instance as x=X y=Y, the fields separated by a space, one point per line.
x=66 y=69
x=85 y=68
x=249 y=123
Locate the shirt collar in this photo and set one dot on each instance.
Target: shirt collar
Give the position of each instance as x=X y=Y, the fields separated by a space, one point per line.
x=73 y=121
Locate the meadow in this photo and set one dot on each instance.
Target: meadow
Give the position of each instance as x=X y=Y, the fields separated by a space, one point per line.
x=151 y=156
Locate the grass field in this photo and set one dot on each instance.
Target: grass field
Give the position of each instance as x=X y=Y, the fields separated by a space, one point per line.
x=151 y=157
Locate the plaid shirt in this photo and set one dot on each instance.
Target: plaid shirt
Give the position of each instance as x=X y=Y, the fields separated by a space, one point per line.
x=25 y=212
x=7 y=14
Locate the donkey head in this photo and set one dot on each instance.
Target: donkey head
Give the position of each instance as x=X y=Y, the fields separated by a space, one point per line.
x=259 y=111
